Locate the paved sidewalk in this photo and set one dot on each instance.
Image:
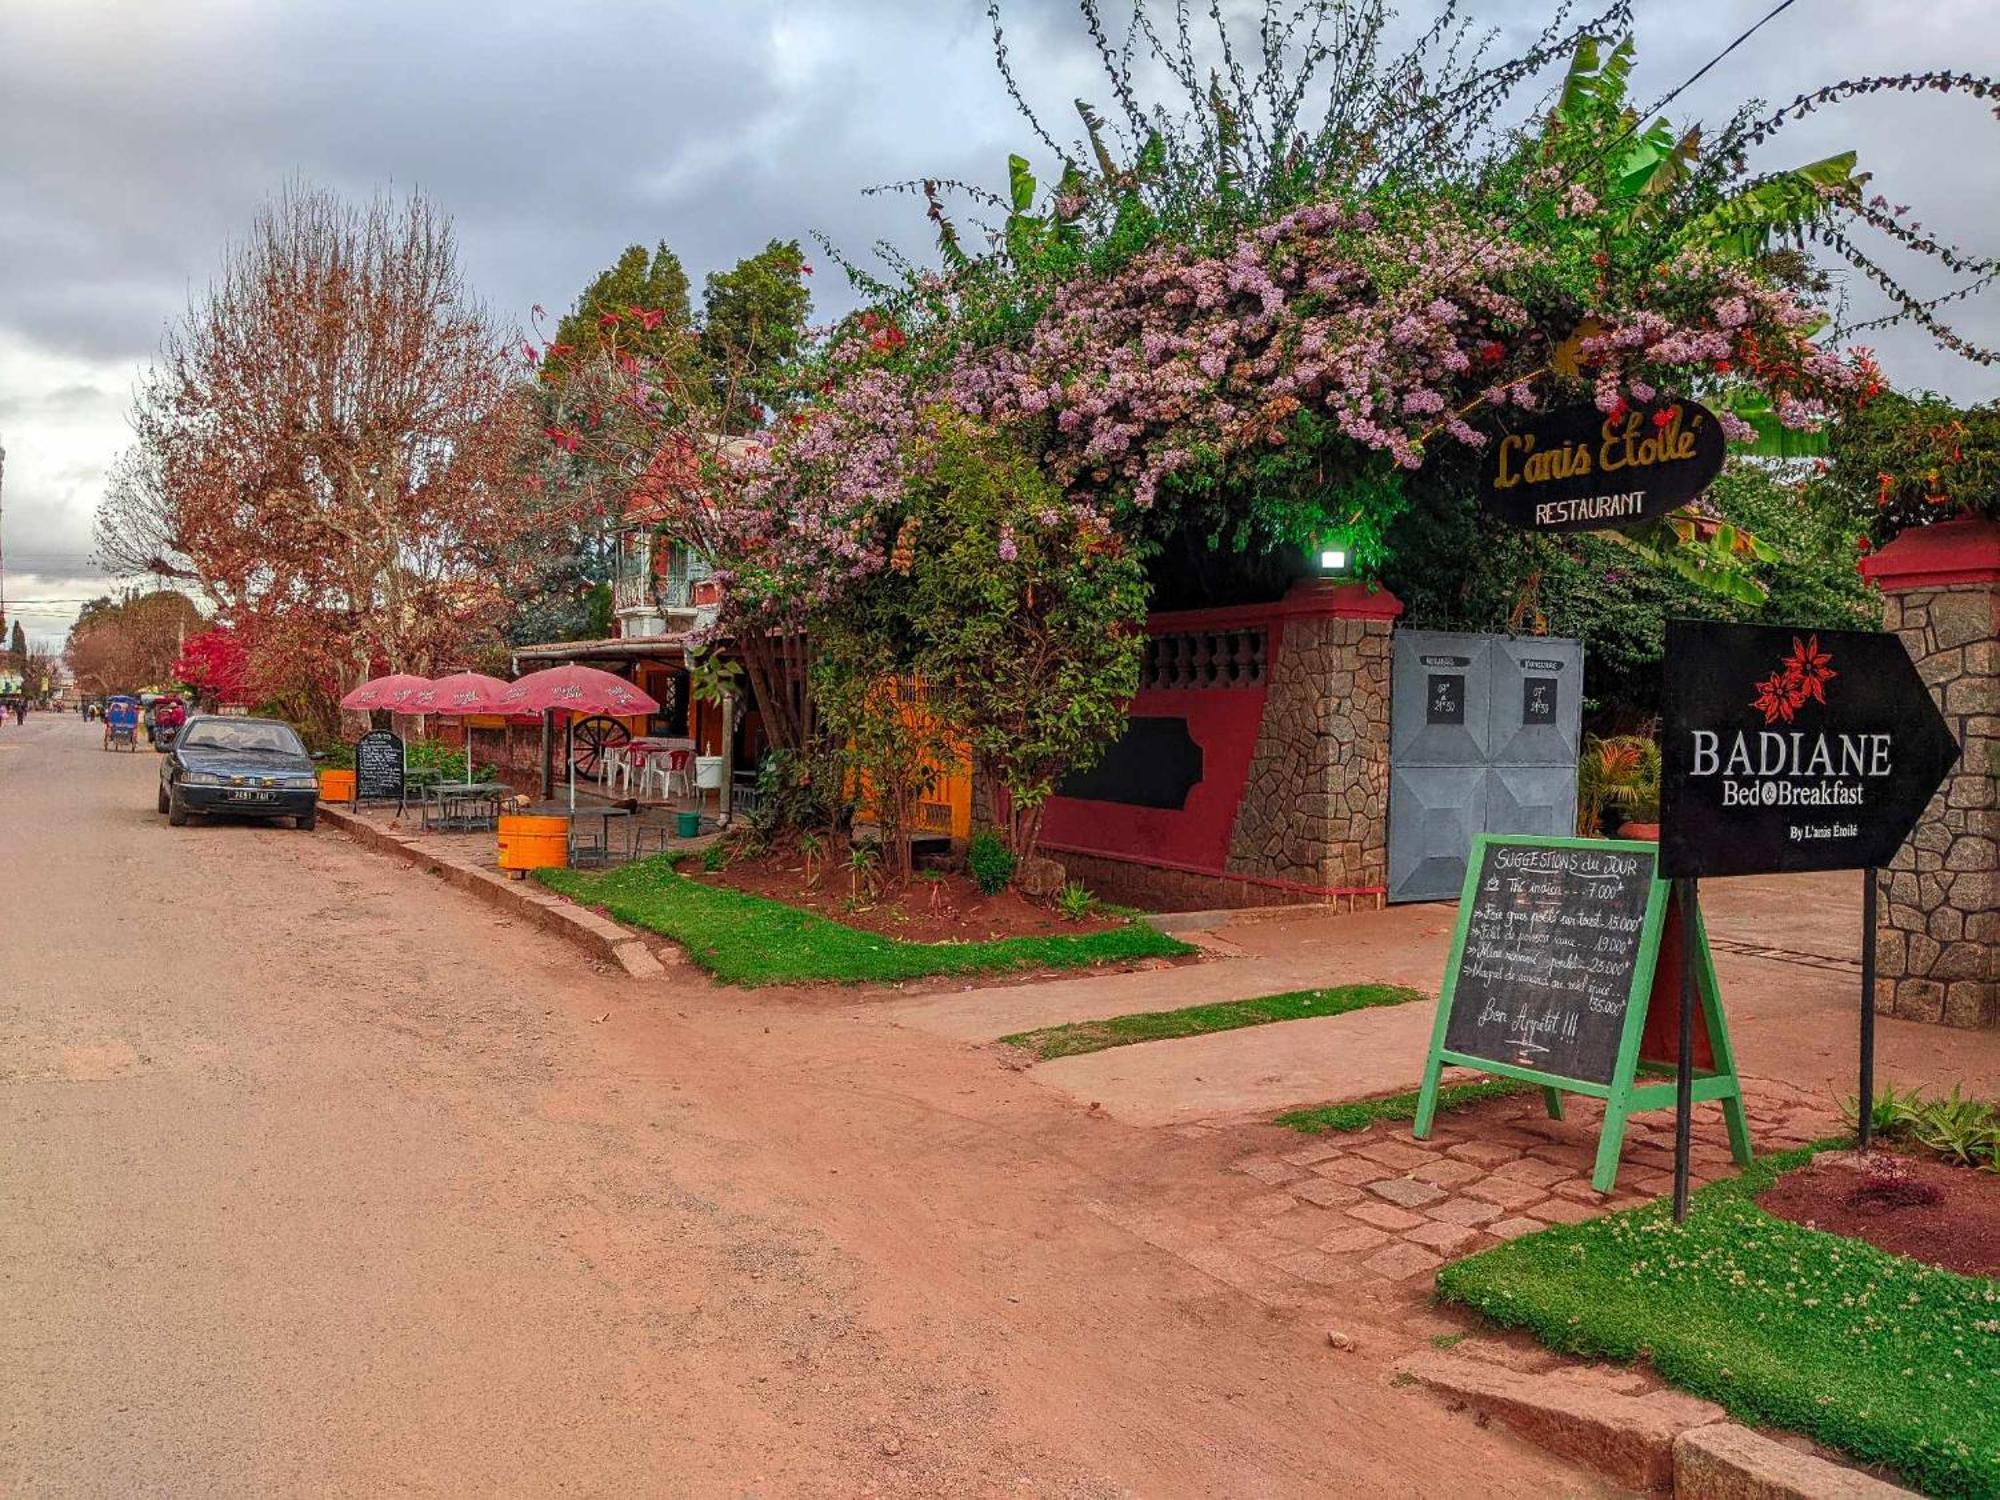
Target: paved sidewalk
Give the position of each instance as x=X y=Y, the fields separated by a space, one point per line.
x=1379 y=1210
x=1786 y=951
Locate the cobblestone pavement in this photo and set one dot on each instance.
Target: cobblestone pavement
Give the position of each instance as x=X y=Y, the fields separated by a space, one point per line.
x=1381 y=1209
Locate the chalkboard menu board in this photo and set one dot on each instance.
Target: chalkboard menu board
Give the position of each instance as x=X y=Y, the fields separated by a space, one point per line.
x=378 y=767
x=1552 y=944
x=1554 y=968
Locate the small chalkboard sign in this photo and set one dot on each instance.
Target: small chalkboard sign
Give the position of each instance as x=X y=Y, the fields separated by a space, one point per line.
x=378 y=767
x=1547 y=969
x=1553 y=968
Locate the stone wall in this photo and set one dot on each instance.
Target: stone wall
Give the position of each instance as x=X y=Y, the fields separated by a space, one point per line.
x=1154 y=887
x=1938 y=935
x=1316 y=811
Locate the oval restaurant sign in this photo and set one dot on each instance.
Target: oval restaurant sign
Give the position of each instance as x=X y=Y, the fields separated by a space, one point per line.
x=1580 y=469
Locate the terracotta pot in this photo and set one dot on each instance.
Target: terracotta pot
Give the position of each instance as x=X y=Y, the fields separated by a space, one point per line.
x=1648 y=832
x=336 y=786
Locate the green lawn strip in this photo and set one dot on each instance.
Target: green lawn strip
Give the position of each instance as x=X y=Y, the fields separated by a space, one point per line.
x=1359 y=1114
x=1891 y=1361
x=753 y=940
x=1162 y=1025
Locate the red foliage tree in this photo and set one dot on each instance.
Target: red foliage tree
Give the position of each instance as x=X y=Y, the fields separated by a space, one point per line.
x=215 y=665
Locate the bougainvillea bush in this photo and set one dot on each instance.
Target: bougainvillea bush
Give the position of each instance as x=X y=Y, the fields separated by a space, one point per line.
x=1233 y=324
x=1914 y=460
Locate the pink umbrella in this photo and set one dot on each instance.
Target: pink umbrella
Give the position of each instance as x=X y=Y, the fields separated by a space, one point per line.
x=576 y=690
x=459 y=696
x=392 y=692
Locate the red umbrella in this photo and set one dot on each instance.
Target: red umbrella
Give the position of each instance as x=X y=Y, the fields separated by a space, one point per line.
x=459 y=696
x=576 y=690
x=392 y=692
x=461 y=693
x=580 y=690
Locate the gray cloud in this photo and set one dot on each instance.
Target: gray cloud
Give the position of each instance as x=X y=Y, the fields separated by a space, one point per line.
x=136 y=137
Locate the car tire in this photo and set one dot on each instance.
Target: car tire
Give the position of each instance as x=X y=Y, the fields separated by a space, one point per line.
x=163 y=799
x=306 y=822
x=177 y=813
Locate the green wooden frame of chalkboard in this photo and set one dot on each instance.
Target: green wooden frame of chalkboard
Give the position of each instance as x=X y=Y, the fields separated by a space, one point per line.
x=1623 y=1095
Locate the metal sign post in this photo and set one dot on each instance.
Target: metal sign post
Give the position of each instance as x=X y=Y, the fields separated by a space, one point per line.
x=1684 y=1077
x=1867 y=1128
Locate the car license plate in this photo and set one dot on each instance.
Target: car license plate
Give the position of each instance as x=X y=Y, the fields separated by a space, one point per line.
x=245 y=794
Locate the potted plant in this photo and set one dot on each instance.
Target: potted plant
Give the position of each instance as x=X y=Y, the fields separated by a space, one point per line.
x=1618 y=787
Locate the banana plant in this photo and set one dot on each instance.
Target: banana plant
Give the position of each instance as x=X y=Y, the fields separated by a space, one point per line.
x=1654 y=162
x=1714 y=555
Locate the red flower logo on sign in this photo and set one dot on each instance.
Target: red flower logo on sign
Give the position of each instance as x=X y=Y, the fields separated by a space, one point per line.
x=1801 y=678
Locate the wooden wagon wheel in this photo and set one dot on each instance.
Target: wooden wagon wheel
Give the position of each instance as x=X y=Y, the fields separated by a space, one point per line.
x=590 y=738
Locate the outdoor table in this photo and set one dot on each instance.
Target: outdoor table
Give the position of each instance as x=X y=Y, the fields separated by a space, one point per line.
x=604 y=816
x=415 y=779
x=476 y=795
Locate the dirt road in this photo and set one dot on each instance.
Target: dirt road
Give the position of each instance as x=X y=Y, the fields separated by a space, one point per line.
x=316 y=1177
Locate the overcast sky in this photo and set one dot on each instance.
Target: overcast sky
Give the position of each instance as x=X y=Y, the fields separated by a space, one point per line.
x=136 y=136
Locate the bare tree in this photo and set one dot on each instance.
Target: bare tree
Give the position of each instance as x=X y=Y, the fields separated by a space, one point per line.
x=324 y=444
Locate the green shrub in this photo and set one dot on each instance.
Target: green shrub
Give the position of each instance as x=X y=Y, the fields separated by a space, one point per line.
x=448 y=760
x=989 y=862
x=1893 y=1112
x=714 y=857
x=1959 y=1130
x=1075 y=902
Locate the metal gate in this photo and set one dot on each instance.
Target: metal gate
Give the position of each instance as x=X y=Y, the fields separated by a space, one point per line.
x=1483 y=738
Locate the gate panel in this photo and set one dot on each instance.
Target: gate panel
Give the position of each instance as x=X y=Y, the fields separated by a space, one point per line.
x=1538 y=800
x=1537 y=701
x=1434 y=811
x=1440 y=707
x=1483 y=735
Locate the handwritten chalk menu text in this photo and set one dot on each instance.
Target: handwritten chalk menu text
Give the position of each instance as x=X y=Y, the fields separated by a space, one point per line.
x=378 y=767
x=1552 y=946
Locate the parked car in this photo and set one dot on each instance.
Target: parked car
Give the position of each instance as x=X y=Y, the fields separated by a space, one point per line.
x=244 y=767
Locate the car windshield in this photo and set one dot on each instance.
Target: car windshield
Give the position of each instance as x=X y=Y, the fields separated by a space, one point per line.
x=251 y=736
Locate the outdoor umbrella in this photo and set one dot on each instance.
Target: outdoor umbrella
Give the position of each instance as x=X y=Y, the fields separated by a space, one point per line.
x=577 y=690
x=460 y=696
x=393 y=692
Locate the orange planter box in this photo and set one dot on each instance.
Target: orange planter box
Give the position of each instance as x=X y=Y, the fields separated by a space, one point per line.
x=336 y=786
x=533 y=842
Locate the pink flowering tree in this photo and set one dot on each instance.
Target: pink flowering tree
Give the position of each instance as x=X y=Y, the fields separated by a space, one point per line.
x=1258 y=327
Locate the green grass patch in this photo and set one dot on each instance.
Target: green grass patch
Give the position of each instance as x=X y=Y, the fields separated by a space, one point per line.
x=1891 y=1361
x=1162 y=1025
x=1359 y=1114
x=752 y=940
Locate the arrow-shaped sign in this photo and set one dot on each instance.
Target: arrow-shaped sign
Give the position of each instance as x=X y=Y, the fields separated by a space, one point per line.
x=1792 y=749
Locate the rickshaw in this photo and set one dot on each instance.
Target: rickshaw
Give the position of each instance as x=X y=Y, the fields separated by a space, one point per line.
x=169 y=713
x=121 y=722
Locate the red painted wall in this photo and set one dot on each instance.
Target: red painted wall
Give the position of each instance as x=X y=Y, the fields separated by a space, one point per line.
x=1223 y=721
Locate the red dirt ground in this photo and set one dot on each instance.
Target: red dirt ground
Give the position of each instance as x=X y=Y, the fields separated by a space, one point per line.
x=1943 y=1215
x=936 y=906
